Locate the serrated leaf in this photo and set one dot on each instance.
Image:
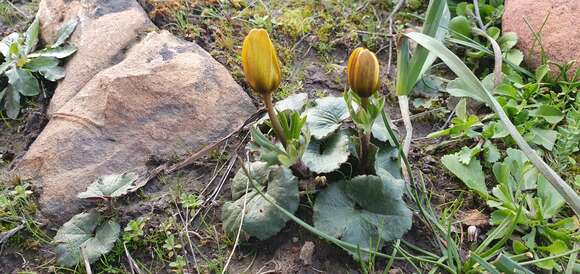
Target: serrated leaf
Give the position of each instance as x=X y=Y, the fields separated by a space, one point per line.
x=466 y=154
x=472 y=174
x=262 y=219
x=23 y=81
x=363 y=210
x=110 y=186
x=64 y=32
x=326 y=116
x=490 y=152
x=12 y=102
x=324 y=156
x=32 y=36
x=41 y=63
x=89 y=231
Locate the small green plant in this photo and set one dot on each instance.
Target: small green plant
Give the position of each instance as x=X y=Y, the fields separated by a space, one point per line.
x=134 y=230
x=93 y=232
x=22 y=64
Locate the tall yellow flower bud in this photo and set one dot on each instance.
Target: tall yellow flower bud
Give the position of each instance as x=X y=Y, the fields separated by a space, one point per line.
x=363 y=72
x=260 y=62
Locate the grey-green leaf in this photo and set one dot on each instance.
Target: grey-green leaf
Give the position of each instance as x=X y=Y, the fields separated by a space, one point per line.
x=262 y=219
x=324 y=156
x=544 y=137
x=41 y=63
x=550 y=113
x=380 y=131
x=23 y=81
x=110 y=186
x=12 y=102
x=64 y=32
x=7 y=42
x=60 y=52
x=326 y=116
x=515 y=56
x=388 y=159
x=53 y=74
x=32 y=36
x=295 y=102
x=89 y=231
x=471 y=175
x=363 y=210
x=459 y=88
x=4 y=66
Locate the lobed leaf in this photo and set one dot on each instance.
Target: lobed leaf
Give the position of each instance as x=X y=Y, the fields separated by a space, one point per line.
x=471 y=174
x=324 y=156
x=365 y=211
x=326 y=117
x=110 y=186
x=262 y=219
x=89 y=231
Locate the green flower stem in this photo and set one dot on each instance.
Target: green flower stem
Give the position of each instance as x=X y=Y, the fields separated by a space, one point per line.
x=267 y=97
x=364 y=141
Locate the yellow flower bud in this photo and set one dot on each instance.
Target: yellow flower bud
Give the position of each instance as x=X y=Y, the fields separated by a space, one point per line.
x=260 y=62
x=363 y=72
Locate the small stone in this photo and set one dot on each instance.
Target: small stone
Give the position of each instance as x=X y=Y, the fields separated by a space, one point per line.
x=306 y=253
x=294 y=239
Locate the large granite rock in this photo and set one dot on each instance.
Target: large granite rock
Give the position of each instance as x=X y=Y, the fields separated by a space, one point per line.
x=106 y=29
x=160 y=96
x=560 y=35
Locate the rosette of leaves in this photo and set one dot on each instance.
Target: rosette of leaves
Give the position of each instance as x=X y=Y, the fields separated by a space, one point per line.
x=261 y=219
x=22 y=65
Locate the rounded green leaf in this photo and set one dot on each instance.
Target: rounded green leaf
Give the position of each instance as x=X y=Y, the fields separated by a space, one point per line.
x=324 y=156
x=326 y=116
x=262 y=219
x=362 y=210
x=89 y=231
x=460 y=27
